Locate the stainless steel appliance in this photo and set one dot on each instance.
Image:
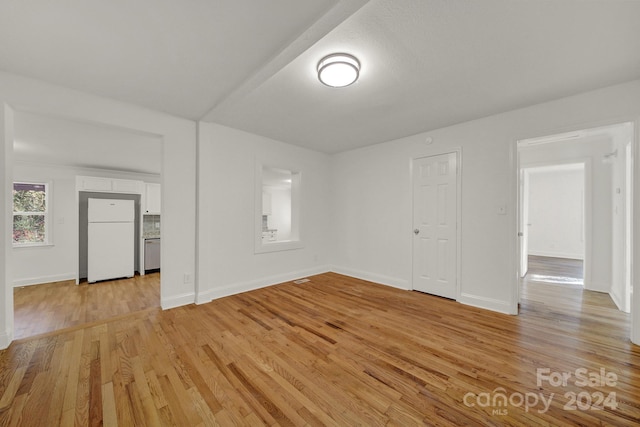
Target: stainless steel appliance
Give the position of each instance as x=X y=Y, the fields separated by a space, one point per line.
x=151 y=254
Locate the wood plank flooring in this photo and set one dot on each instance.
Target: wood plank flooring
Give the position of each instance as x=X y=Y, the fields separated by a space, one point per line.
x=333 y=351
x=59 y=305
x=555 y=270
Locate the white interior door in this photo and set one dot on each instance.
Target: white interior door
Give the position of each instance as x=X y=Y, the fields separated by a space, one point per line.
x=435 y=212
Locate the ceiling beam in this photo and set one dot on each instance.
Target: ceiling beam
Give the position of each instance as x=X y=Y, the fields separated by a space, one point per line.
x=330 y=20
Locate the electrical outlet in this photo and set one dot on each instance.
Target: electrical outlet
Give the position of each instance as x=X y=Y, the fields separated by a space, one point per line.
x=187 y=278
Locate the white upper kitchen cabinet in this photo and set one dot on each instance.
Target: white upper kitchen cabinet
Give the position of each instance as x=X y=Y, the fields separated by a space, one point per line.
x=152 y=198
x=108 y=185
x=90 y=183
x=126 y=186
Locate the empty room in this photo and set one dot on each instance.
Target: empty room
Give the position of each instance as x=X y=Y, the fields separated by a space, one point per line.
x=338 y=212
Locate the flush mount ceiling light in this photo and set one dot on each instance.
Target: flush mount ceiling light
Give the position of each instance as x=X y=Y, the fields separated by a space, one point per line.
x=338 y=69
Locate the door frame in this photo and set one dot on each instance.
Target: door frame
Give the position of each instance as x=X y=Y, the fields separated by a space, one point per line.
x=628 y=208
x=523 y=221
x=433 y=153
x=635 y=207
x=587 y=206
x=89 y=115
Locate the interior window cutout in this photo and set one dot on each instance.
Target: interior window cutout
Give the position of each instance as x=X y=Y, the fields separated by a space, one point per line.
x=278 y=199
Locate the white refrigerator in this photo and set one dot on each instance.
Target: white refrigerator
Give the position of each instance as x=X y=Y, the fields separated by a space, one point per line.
x=110 y=253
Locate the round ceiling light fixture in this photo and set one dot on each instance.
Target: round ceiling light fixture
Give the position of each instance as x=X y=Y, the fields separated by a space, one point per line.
x=338 y=69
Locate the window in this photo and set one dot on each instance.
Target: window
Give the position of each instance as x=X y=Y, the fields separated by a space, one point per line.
x=30 y=214
x=278 y=210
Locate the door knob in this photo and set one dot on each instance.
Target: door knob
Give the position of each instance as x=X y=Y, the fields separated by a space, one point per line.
x=416 y=231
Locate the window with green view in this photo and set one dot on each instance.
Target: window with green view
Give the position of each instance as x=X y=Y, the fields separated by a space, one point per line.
x=30 y=214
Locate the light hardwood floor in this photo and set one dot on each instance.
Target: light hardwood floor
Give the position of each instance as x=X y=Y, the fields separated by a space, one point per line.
x=333 y=351
x=55 y=306
x=555 y=269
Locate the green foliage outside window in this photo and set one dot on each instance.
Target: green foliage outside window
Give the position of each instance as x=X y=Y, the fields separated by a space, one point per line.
x=29 y=213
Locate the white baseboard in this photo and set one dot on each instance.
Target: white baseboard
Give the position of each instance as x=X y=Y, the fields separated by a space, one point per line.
x=236 y=288
x=43 y=279
x=177 y=300
x=617 y=300
x=476 y=301
x=597 y=287
x=372 y=277
x=487 y=303
x=553 y=254
x=635 y=330
x=209 y=295
x=5 y=340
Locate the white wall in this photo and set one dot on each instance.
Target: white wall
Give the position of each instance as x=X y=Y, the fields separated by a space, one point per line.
x=372 y=193
x=227 y=213
x=556 y=200
x=365 y=194
x=33 y=265
x=590 y=150
x=606 y=230
x=6 y=224
x=280 y=218
x=178 y=176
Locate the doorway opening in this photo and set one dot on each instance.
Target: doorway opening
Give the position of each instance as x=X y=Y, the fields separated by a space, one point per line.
x=583 y=181
x=56 y=150
x=554 y=226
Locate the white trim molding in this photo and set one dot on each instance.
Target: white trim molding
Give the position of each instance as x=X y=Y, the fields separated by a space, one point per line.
x=380 y=279
x=617 y=300
x=29 y=281
x=177 y=300
x=635 y=233
x=487 y=303
x=5 y=340
x=240 y=287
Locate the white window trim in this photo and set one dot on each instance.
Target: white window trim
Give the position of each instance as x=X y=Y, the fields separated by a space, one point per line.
x=48 y=229
x=296 y=242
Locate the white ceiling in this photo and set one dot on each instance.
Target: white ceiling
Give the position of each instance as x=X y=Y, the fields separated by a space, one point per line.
x=430 y=64
x=59 y=141
x=180 y=57
x=251 y=64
